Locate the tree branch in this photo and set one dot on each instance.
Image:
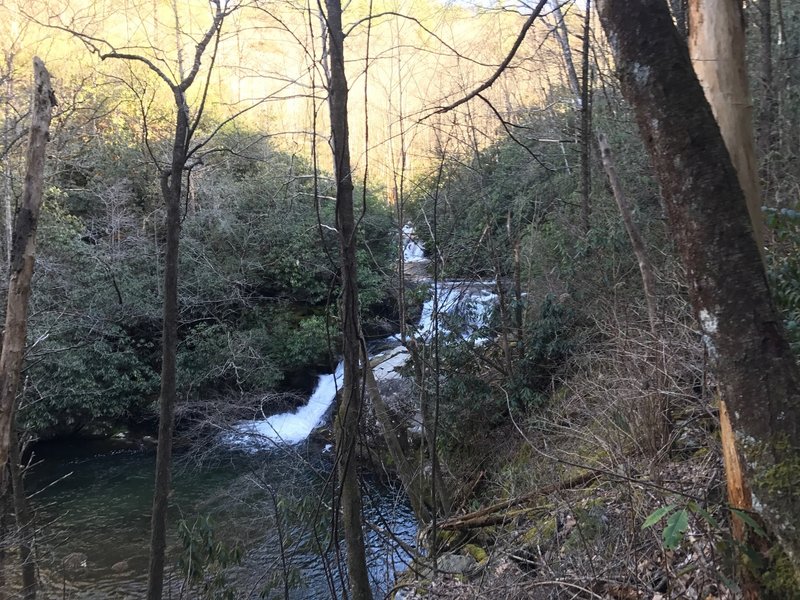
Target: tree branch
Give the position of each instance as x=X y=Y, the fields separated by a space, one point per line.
x=503 y=65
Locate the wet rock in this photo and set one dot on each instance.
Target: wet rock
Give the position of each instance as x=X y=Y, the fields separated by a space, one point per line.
x=75 y=561
x=451 y=564
x=121 y=566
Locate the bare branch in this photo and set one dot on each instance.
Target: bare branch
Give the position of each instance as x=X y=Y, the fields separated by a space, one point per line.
x=496 y=75
x=510 y=134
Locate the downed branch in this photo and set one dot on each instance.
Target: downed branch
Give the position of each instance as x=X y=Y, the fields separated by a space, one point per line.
x=488 y=515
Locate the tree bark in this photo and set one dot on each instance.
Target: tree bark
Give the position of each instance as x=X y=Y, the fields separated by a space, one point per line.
x=23 y=256
x=586 y=123
x=709 y=219
x=582 y=97
x=171 y=186
x=717 y=47
x=350 y=401
x=562 y=35
x=8 y=192
x=637 y=243
x=679 y=14
x=717 y=30
x=24 y=520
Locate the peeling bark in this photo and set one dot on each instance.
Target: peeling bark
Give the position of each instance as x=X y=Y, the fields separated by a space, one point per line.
x=754 y=366
x=717 y=48
x=23 y=255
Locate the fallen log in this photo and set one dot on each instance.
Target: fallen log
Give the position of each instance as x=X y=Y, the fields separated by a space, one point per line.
x=488 y=516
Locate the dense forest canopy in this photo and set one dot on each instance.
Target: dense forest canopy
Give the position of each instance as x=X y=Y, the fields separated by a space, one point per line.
x=501 y=201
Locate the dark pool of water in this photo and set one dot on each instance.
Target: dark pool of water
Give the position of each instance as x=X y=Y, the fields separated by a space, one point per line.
x=94 y=498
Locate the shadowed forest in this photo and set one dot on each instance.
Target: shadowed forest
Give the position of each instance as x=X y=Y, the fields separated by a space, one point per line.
x=400 y=299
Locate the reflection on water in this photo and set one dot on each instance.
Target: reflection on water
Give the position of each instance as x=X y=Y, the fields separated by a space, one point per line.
x=102 y=510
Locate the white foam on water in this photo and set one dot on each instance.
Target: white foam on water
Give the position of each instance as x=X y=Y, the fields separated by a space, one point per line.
x=413 y=250
x=292 y=427
x=457 y=298
x=468 y=299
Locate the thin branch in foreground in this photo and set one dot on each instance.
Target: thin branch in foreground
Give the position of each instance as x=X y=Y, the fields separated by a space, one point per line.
x=503 y=65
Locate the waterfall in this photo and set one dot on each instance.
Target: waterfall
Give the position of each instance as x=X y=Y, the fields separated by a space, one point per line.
x=473 y=301
x=413 y=250
x=292 y=427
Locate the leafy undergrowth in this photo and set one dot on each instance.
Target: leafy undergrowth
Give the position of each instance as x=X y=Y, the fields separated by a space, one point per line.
x=615 y=492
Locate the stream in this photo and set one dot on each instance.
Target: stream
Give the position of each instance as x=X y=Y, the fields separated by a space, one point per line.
x=102 y=512
x=264 y=483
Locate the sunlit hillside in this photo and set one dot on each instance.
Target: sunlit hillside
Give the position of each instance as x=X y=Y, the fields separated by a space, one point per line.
x=411 y=58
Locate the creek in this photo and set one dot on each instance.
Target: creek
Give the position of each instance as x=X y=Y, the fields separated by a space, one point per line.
x=99 y=507
x=264 y=483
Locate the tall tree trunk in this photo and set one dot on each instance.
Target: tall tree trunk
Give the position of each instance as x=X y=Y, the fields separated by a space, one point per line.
x=350 y=402
x=24 y=520
x=653 y=409
x=586 y=122
x=717 y=47
x=581 y=91
x=634 y=234
x=23 y=256
x=755 y=368
x=401 y=260
x=8 y=192
x=171 y=186
x=562 y=35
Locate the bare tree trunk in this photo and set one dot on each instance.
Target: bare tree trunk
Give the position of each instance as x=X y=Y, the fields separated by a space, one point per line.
x=24 y=520
x=717 y=46
x=653 y=409
x=22 y=260
x=401 y=261
x=350 y=402
x=562 y=35
x=8 y=192
x=637 y=243
x=171 y=185
x=708 y=216
x=586 y=123
x=581 y=93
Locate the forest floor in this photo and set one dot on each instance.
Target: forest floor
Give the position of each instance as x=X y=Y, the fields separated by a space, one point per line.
x=613 y=489
x=570 y=524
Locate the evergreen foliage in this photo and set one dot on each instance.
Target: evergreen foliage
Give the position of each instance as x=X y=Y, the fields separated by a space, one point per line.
x=257 y=294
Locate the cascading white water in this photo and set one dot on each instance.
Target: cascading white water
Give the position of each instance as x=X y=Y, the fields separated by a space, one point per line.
x=413 y=250
x=293 y=427
x=468 y=299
